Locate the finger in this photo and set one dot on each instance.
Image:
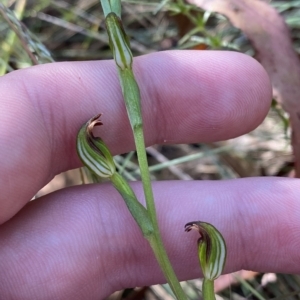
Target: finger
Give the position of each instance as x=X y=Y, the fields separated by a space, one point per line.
x=187 y=97
x=82 y=243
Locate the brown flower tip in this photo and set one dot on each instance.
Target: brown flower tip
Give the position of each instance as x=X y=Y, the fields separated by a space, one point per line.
x=192 y=225
x=201 y=227
x=95 y=121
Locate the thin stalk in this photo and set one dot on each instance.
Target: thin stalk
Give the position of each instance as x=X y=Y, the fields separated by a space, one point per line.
x=111 y=6
x=149 y=230
x=123 y=58
x=250 y=288
x=132 y=100
x=124 y=173
x=208 y=292
x=156 y=243
x=81 y=173
x=136 y=209
x=186 y=158
x=125 y=162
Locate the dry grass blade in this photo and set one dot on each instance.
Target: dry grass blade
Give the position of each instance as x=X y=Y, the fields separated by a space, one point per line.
x=174 y=169
x=32 y=46
x=14 y=24
x=270 y=37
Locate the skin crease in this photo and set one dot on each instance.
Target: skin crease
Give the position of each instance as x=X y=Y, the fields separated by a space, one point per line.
x=81 y=242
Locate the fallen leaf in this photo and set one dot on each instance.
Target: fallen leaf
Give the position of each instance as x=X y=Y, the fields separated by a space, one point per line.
x=270 y=37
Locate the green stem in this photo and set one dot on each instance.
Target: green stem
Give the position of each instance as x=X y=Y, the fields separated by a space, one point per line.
x=156 y=243
x=132 y=100
x=137 y=210
x=123 y=58
x=111 y=6
x=208 y=292
x=165 y=265
x=149 y=230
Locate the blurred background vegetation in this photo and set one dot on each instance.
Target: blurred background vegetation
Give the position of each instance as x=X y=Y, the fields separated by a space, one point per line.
x=42 y=31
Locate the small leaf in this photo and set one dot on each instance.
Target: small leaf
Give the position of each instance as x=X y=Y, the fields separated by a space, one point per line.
x=211 y=249
x=92 y=150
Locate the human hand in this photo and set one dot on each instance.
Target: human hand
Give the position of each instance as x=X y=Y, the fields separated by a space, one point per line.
x=81 y=242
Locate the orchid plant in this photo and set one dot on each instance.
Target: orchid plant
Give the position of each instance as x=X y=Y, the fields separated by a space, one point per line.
x=96 y=156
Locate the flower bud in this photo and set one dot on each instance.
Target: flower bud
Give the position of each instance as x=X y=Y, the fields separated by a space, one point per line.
x=92 y=150
x=118 y=41
x=211 y=249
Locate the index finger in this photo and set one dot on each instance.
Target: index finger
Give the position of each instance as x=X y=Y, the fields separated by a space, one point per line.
x=187 y=96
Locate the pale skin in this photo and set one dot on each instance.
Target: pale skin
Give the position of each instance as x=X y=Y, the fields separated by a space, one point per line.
x=81 y=242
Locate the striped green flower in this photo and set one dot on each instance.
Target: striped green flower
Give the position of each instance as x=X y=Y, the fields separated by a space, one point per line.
x=93 y=152
x=211 y=249
x=118 y=41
